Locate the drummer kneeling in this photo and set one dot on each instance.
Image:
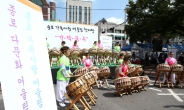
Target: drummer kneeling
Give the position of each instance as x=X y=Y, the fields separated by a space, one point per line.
x=123 y=70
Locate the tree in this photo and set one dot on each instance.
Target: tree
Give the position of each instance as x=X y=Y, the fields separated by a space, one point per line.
x=147 y=18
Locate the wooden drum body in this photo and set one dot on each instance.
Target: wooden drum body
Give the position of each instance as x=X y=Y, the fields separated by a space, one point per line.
x=107 y=52
x=163 y=67
x=123 y=52
x=122 y=82
x=100 y=51
x=144 y=80
x=135 y=81
x=92 y=51
x=54 y=52
x=128 y=54
x=131 y=69
x=79 y=86
x=177 y=68
x=104 y=71
x=138 y=71
x=115 y=54
x=80 y=71
x=74 y=53
x=94 y=70
x=89 y=77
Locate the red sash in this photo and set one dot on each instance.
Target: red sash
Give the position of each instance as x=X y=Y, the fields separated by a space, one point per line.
x=124 y=70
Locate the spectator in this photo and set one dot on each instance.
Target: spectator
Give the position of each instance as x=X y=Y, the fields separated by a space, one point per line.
x=146 y=59
x=123 y=43
x=162 y=57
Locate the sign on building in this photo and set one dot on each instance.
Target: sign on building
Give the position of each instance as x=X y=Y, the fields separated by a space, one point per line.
x=25 y=71
x=106 y=41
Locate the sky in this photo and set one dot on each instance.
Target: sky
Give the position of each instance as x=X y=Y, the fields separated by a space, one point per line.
x=116 y=16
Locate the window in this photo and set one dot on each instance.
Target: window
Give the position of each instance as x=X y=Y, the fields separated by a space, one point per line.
x=117 y=31
x=53 y=15
x=85 y=15
x=70 y=13
x=80 y=14
x=76 y=14
x=89 y=10
x=73 y=14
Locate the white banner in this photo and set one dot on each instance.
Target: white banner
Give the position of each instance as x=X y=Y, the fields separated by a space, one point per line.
x=25 y=71
x=106 y=41
x=56 y=32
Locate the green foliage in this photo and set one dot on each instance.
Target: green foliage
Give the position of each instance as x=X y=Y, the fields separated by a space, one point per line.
x=147 y=18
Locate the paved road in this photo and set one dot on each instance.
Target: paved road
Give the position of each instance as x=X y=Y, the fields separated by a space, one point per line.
x=152 y=99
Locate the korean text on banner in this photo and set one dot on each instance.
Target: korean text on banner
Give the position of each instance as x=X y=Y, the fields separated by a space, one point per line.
x=106 y=41
x=56 y=32
x=25 y=73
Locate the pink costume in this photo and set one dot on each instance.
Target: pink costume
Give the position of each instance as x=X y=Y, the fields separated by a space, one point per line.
x=100 y=46
x=170 y=61
x=87 y=63
x=75 y=47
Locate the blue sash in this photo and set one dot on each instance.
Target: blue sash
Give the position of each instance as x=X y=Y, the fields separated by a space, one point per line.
x=67 y=67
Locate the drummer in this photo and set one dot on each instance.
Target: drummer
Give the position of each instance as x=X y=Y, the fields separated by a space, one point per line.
x=123 y=70
x=62 y=74
x=117 y=47
x=100 y=46
x=95 y=45
x=62 y=44
x=87 y=61
x=170 y=61
x=75 y=46
x=120 y=59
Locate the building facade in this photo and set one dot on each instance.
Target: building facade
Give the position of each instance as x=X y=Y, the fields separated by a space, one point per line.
x=78 y=11
x=48 y=10
x=116 y=31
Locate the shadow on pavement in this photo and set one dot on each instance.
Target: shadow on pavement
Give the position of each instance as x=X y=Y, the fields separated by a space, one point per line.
x=174 y=106
x=110 y=94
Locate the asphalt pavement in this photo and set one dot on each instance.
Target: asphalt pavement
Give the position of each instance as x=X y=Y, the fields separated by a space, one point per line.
x=154 y=98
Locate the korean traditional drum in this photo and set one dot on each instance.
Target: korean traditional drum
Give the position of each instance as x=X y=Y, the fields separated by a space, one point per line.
x=89 y=77
x=128 y=54
x=93 y=51
x=144 y=80
x=123 y=52
x=79 y=86
x=122 y=82
x=131 y=68
x=163 y=67
x=177 y=67
x=104 y=71
x=80 y=71
x=135 y=81
x=74 y=53
x=100 y=51
x=54 y=52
